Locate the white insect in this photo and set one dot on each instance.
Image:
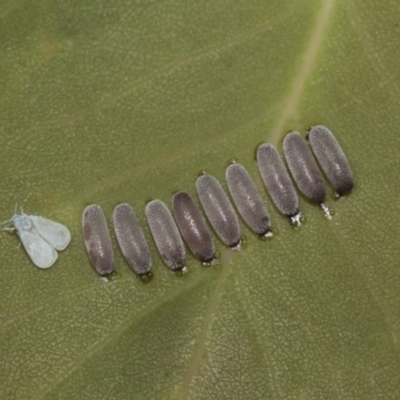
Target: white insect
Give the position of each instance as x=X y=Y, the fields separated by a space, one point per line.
x=41 y=237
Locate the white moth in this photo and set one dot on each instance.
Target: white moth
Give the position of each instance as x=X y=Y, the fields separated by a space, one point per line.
x=41 y=237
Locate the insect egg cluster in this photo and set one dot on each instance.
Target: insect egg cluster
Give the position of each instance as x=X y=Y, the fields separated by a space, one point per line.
x=187 y=222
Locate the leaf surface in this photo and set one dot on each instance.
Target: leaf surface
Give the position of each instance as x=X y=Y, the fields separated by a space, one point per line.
x=109 y=102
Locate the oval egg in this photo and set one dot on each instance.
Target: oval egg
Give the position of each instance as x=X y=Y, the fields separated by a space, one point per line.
x=131 y=239
x=193 y=227
x=166 y=235
x=218 y=209
x=331 y=158
x=278 y=182
x=247 y=199
x=97 y=239
x=303 y=167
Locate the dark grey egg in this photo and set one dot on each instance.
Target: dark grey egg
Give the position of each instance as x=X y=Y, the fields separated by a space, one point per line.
x=277 y=181
x=193 y=227
x=218 y=209
x=247 y=199
x=303 y=167
x=166 y=235
x=97 y=239
x=331 y=158
x=131 y=239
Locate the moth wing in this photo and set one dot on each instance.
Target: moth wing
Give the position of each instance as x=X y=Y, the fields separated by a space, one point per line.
x=55 y=233
x=42 y=254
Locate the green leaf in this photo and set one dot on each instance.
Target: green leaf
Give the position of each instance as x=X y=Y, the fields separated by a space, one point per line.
x=107 y=102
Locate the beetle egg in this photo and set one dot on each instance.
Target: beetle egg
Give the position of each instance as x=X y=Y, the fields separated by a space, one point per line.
x=166 y=235
x=303 y=167
x=247 y=199
x=131 y=239
x=97 y=239
x=218 y=209
x=331 y=158
x=193 y=227
x=278 y=182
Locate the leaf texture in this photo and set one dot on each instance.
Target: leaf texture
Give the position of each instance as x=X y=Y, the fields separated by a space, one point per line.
x=109 y=102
